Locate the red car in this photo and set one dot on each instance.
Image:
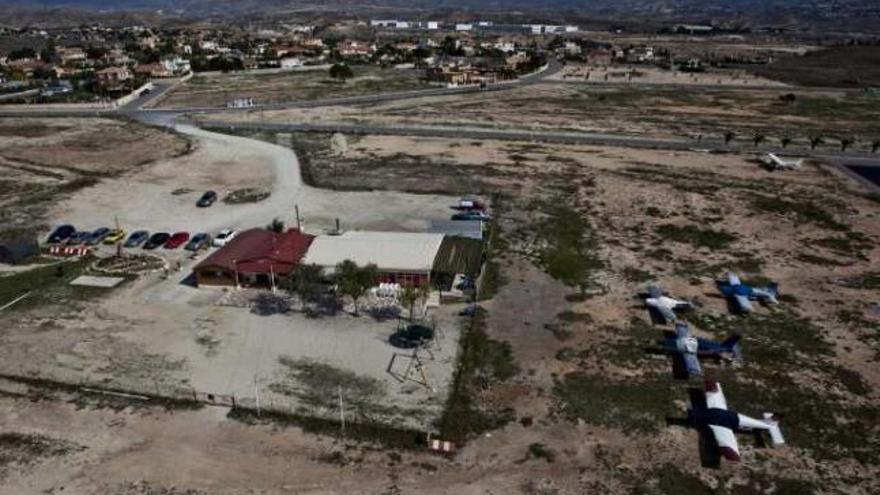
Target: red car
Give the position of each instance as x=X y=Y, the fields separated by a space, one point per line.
x=176 y=240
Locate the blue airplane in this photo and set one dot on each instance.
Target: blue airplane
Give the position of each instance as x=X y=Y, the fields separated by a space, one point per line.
x=742 y=295
x=688 y=349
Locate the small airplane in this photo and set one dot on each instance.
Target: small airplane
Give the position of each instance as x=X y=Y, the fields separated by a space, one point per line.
x=714 y=416
x=689 y=349
x=664 y=307
x=742 y=295
x=777 y=163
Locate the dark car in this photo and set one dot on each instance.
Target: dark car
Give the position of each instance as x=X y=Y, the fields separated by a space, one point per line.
x=207 y=199
x=137 y=238
x=471 y=215
x=62 y=233
x=97 y=236
x=411 y=337
x=176 y=240
x=198 y=241
x=156 y=240
x=78 y=238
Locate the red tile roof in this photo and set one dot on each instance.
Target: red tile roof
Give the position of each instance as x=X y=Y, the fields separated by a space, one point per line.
x=260 y=251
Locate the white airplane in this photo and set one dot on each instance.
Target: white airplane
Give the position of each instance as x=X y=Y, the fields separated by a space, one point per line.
x=779 y=164
x=664 y=305
x=723 y=422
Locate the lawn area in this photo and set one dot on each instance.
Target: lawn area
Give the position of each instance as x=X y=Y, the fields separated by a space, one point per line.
x=47 y=285
x=267 y=87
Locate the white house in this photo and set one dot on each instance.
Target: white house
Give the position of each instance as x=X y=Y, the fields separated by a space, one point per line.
x=464 y=27
x=290 y=62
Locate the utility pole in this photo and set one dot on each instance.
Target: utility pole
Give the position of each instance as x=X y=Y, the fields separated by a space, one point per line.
x=298 y=220
x=341 y=412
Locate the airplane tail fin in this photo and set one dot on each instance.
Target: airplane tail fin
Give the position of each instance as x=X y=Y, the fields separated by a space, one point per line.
x=773 y=428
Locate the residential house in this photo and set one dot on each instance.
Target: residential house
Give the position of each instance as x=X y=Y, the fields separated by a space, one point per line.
x=350 y=49
x=156 y=69
x=112 y=76
x=600 y=56
x=71 y=56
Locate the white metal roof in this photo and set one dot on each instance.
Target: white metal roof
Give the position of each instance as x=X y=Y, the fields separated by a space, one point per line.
x=403 y=251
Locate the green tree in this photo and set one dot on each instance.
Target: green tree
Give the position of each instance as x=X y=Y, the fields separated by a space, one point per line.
x=758 y=139
x=276 y=226
x=728 y=137
x=846 y=142
x=875 y=145
x=354 y=281
x=785 y=141
x=341 y=72
x=816 y=140
x=306 y=281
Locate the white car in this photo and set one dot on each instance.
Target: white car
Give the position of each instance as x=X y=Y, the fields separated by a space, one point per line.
x=223 y=237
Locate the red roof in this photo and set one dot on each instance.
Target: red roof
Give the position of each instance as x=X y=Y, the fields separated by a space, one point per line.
x=260 y=251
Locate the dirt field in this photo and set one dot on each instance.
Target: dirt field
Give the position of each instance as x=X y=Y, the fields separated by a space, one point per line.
x=44 y=160
x=266 y=87
x=565 y=400
x=845 y=66
x=656 y=112
x=628 y=74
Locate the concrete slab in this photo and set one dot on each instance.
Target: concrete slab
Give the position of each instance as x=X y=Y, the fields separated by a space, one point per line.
x=93 y=281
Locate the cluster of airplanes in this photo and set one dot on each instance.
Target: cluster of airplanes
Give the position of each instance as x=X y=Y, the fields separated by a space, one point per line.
x=709 y=412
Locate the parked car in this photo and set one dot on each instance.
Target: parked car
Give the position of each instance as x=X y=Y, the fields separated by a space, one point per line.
x=78 y=238
x=156 y=240
x=97 y=236
x=207 y=199
x=470 y=204
x=224 y=236
x=198 y=241
x=176 y=240
x=471 y=215
x=114 y=236
x=137 y=238
x=62 y=233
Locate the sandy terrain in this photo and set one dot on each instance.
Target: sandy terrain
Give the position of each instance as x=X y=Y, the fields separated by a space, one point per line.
x=661 y=112
x=268 y=87
x=45 y=159
x=225 y=163
x=638 y=74
x=587 y=409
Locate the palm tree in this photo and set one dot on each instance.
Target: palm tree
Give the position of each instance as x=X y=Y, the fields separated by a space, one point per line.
x=410 y=294
x=846 y=142
x=785 y=141
x=758 y=139
x=816 y=141
x=728 y=137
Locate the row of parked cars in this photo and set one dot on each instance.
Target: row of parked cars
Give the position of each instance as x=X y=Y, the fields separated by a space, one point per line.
x=68 y=235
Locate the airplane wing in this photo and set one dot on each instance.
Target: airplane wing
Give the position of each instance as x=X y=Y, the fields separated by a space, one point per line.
x=726 y=442
x=692 y=363
x=743 y=302
x=666 y=312
x=714 y=395
x=776 y=159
